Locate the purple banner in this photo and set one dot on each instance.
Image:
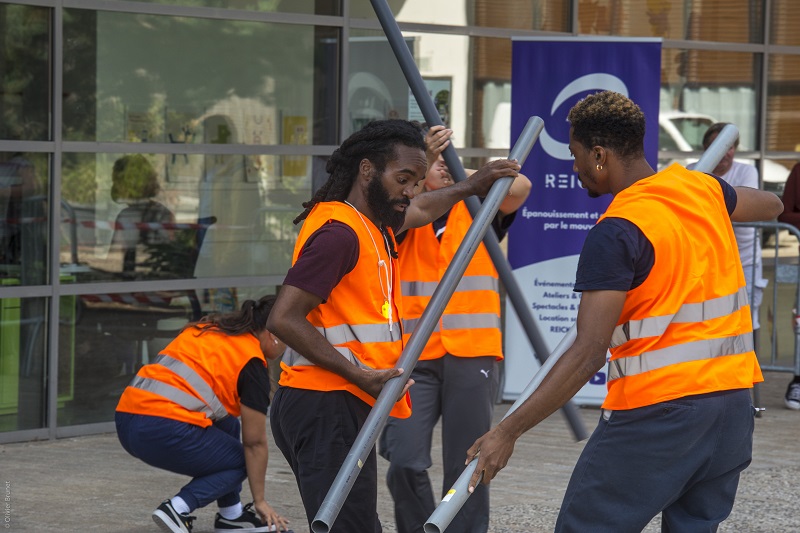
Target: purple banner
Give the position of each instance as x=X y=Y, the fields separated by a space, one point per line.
x=548 y=78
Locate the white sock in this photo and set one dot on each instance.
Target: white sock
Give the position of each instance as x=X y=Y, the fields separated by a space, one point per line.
x=179 y=505
x=232 y=511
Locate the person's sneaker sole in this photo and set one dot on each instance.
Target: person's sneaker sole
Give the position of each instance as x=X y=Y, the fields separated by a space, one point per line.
x=164 y=522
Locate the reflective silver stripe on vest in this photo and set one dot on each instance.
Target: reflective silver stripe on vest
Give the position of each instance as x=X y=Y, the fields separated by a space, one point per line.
x=466 y=284
x=211 y=405
x=199 y=385
x=681 y=353
x=418 y=288
x=293 y=358
x=688 y=313
x=471 y=321
x=177 y=396
x=362 y=333
x=410 y=324
x=341 y=334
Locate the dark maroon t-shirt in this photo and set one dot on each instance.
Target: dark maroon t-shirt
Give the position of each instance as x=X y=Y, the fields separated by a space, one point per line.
x=327 y=256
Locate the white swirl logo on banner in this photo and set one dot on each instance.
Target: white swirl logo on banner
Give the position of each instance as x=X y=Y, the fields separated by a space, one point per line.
x=598 y=80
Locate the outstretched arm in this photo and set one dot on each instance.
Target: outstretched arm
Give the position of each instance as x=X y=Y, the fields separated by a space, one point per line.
x=428 y=206
x=256 y=456
x=597 y=317
x=517 y=194
x=753 y=205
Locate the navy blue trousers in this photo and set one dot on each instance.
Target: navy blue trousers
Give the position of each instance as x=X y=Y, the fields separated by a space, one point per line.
x=681 y=458
x=212 y=456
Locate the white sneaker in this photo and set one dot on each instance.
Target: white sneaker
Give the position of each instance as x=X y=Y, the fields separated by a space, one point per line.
x=792 y=398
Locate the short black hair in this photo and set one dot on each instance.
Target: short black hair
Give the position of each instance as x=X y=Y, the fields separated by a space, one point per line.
x=611 y=120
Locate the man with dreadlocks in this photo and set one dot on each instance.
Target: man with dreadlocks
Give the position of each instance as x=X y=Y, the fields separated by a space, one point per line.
x=339 y=309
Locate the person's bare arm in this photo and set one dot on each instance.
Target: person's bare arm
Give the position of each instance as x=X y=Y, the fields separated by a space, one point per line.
x=753 y=205
x=428 y=206
x=256 y=456
x=517 y=194
x=597 y=318
x=288 y=321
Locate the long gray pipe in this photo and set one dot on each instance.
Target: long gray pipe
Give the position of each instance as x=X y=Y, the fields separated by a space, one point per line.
x=458 y=494
x=377 y=417
x=432 y=117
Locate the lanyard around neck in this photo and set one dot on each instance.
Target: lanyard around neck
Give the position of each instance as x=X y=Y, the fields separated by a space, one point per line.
x=383 y=270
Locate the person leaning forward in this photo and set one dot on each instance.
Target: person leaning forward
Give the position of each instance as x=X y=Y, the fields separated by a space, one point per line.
x=181 y=413
x=662 y=286
x=455 y=377
x=339 y=309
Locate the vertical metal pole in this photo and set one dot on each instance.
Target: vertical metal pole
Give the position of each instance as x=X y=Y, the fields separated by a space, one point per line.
x=458 y=494
x=432 y=117
x=377 y=417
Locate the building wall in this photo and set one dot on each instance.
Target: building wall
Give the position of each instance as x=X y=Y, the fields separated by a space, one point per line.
x=215 y=118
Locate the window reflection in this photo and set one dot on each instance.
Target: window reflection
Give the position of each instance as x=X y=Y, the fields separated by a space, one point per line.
x=148 y=78
x=106 y=338
x=736 y=21
x=149 y=216
x=783 y=23
x=23 y=334
x=23 y=217
x=700 y=87
x=545 y=15
x=25 y=40
x=783 y=103
x=318 y=7
x=469 y=80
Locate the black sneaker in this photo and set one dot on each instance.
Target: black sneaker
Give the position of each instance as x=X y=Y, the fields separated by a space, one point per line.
x=249 y=522
x=792 y=398
x=168 y=519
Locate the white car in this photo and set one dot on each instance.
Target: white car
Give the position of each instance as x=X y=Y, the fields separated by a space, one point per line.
x=682 y=131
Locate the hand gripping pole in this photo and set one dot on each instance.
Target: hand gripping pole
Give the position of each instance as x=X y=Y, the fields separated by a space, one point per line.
x=429 y=111
x=458 y=494
x=377 y=417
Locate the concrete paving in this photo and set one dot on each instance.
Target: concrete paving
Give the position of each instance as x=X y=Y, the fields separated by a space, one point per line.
x=91 y=484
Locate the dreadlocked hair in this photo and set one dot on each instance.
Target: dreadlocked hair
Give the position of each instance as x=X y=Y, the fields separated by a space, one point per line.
x=376 y=141
x=251 y=318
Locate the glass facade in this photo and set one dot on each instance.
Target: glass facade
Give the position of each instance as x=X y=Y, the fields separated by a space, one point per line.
x=154 y=153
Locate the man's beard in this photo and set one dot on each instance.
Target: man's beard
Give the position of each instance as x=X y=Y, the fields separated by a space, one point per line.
x=383 y=206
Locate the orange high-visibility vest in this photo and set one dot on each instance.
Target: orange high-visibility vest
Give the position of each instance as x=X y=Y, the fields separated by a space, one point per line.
x=687 y=329
x=361 y=318
x=470 y=324
x=194 y=379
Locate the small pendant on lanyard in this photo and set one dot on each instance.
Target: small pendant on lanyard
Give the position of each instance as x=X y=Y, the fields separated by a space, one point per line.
x=385 y=309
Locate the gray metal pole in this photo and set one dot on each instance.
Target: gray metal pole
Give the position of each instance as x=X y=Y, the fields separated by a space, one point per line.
x=377 y=417
x=432 y=117
x=458 y=494
x=716 y=151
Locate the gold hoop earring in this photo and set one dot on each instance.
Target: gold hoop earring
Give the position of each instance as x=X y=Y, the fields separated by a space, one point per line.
x=599 y=167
